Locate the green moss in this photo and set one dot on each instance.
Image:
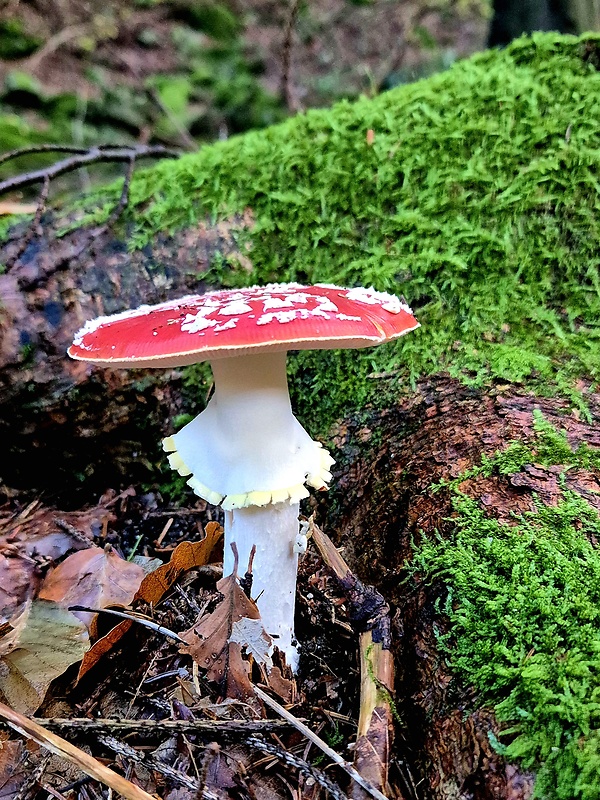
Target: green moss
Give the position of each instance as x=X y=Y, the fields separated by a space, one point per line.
x=478 y=201
x=523 y=604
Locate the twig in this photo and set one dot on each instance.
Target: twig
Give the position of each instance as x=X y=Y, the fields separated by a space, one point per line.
x=183 y=132
x=60 y=747
x=72 y=530
x=211 y=751
x=41 y=148
x=154 y=726
x=369 y=613
x=156 y=764
x=301 y=765
x=95 y=155
x=53 y=43
x=33 y=777
x=123 y=199
x=286 y=54
x=154 y=626
x=329 y=752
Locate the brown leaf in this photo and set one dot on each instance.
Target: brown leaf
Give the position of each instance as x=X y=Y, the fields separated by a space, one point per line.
x=18 y=582
x=103 y=646
x=210 y=644
x=284 y=687
x=13 y=772
x=186 y=556
x=31 y=537
x=41 y=531
x=94 y=577
x=46 y=642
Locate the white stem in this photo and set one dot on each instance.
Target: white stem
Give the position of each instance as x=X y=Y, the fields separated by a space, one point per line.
x=247 y=451
x=247 y=441
x=273 y=530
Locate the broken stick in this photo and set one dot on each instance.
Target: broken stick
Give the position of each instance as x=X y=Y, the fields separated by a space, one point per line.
x=371 y=616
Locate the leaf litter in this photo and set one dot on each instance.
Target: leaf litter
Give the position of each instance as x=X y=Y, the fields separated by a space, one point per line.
x=96 y=577
x=216 y=640
x=161 y=680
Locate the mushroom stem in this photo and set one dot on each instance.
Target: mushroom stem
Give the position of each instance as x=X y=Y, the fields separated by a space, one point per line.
x=274 y=530
x=247 y=451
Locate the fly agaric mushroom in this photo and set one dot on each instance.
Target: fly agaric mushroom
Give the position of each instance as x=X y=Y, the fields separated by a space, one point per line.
x=246 y=450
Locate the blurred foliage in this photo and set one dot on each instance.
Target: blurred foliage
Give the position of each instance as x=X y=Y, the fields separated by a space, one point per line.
x=190 y=75
x=14 y=41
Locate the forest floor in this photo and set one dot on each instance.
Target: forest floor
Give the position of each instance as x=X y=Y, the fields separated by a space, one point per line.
x=110 y=555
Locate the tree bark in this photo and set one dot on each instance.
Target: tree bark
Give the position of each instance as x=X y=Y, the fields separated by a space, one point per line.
x=382 y=502
x=53 y=409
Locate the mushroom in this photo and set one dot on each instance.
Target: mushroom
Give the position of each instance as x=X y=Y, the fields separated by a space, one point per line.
x=246 y=450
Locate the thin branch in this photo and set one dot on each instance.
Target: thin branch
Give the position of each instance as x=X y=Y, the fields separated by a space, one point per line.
x=82 y=760
x=329 y=752
x=94 y=155
x=157 y=765
x=300 y=764
x=127 y=727
x=123 y=200
x=132 y=617
x=53 y=43
x=183 y=132
x=286 y=54
x=41 y=148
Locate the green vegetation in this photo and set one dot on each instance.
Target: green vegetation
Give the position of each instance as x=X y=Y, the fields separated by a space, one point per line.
x=523 y=602
x=214 y=87
x=478 y=201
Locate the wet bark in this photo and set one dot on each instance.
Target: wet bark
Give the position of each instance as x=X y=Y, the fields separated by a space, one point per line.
x=382 y=502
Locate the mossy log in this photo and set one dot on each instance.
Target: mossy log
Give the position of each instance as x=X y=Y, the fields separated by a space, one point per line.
x=475 y=194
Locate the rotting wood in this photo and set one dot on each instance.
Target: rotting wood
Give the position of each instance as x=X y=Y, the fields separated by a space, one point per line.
x=375 y=732
x=50 y=404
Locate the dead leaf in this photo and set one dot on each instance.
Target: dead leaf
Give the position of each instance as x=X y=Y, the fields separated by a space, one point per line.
x=32 y=537
x=209 y=642
x=284 y=687
x=13 y=773
x=186 y=556
x=7 y=208
x=102 y=647
x=250 y=635
x=96 y=578
x=41 y=531
x=48 y=641
x=18 y=583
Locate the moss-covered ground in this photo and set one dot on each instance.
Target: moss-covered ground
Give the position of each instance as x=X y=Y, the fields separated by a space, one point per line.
x=478 y=200
x=523 y=604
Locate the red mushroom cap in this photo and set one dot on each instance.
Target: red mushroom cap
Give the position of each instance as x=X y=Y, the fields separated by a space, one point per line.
x=233 y=322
